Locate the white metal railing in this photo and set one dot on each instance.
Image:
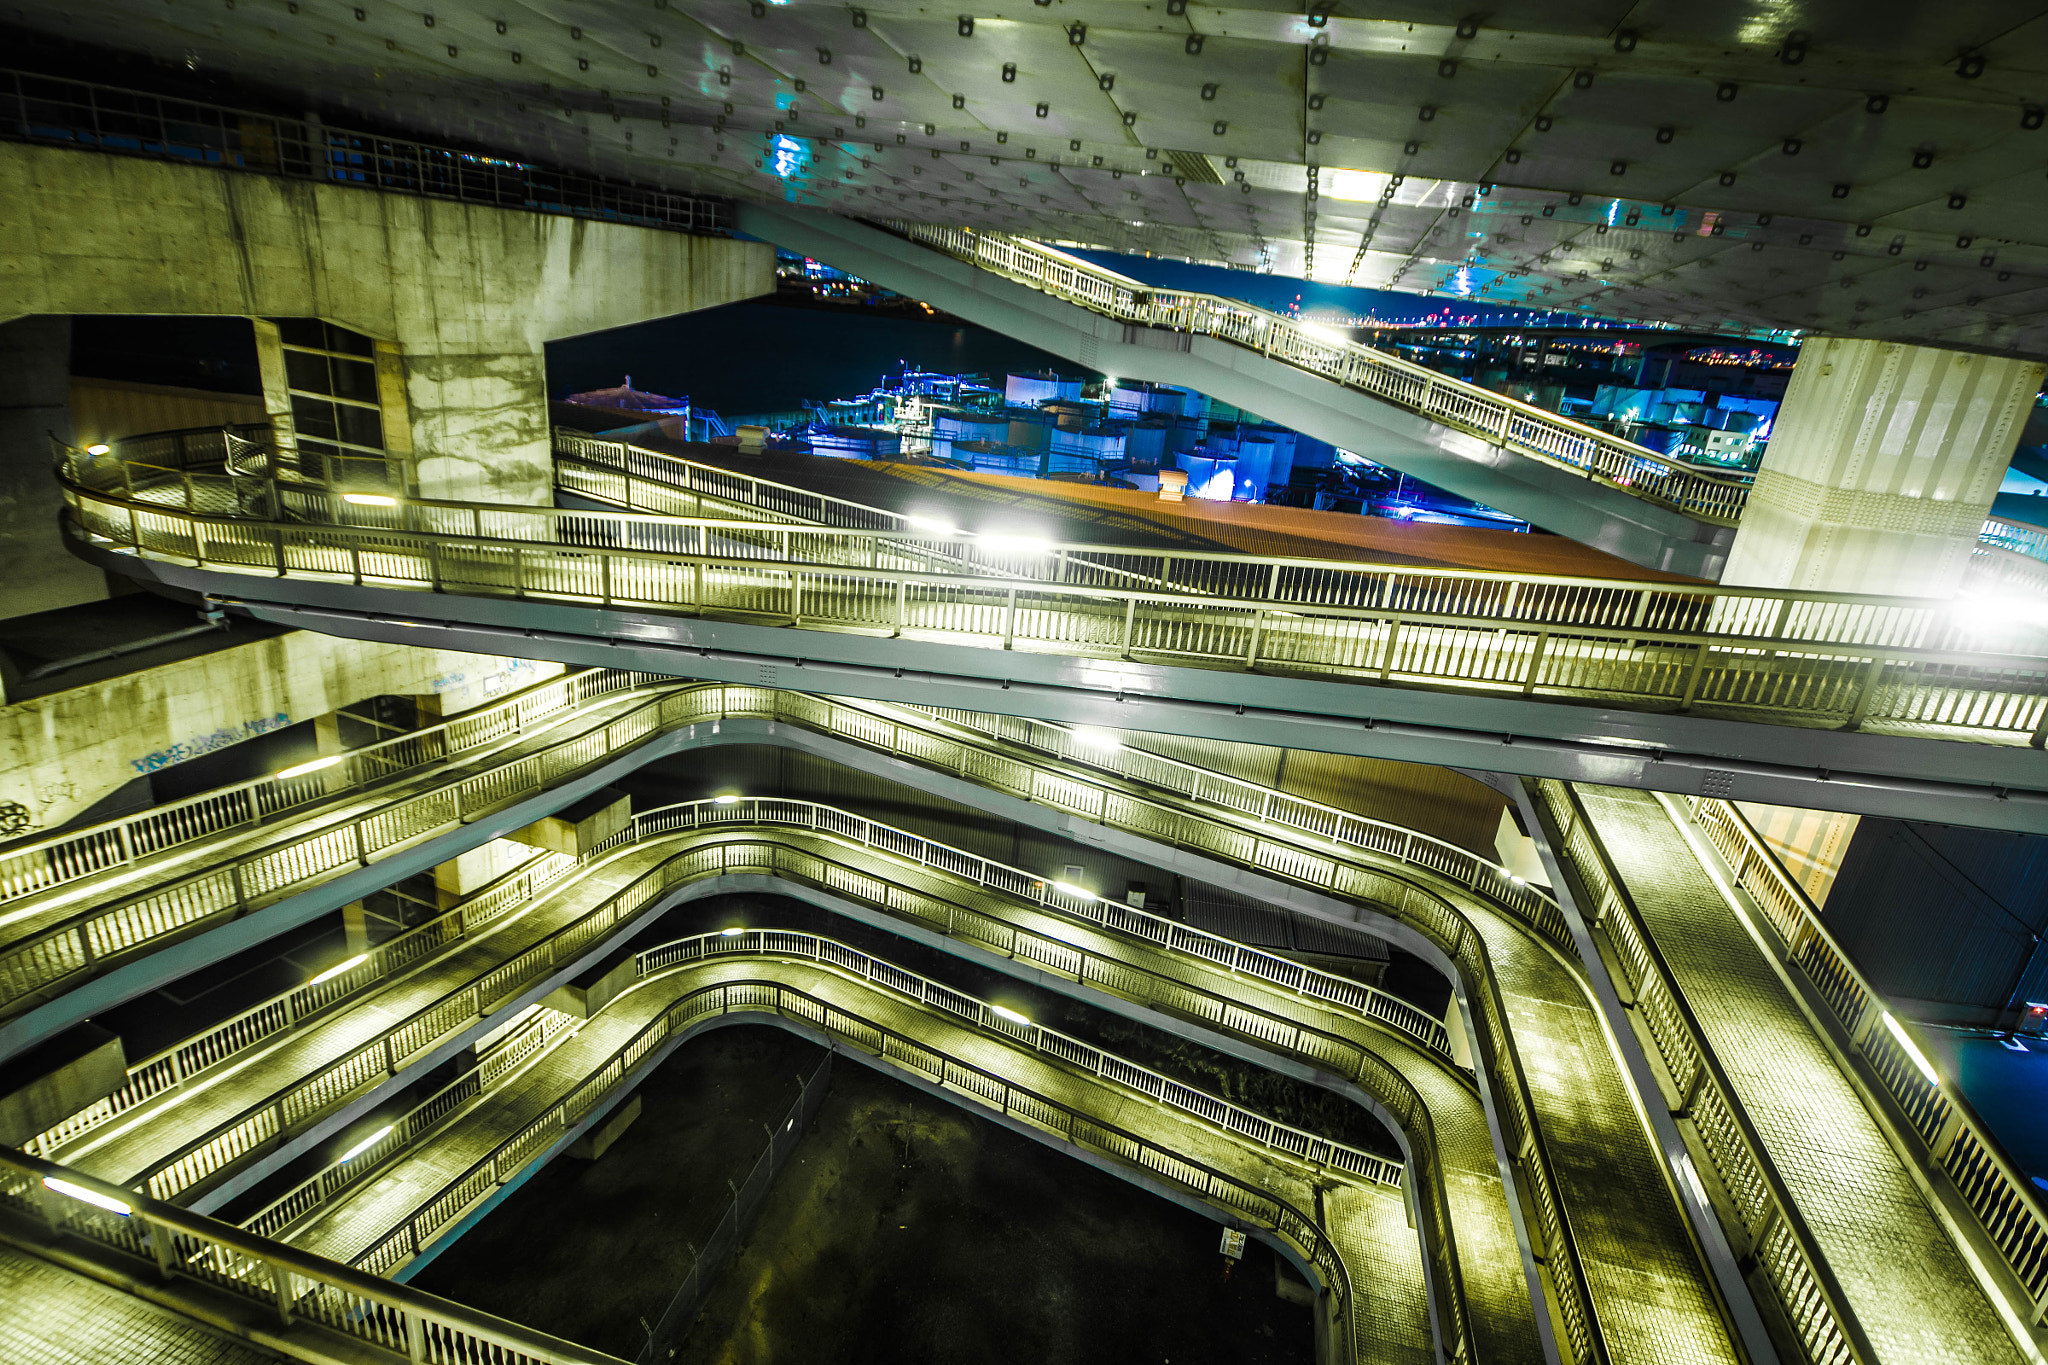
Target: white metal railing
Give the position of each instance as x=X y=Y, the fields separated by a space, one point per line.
x=53 y=956
x=48 y=959
x=843 y=1027
x=1954 y=1140
x=35 y=866
x=1766 y=653
x=2021 y=539
x=203 y=1158
x=1233 y=800
x=1769 y=1227
x=260 y=1124
x=299 y=1288
x=1521 y=427
x=504 y=1061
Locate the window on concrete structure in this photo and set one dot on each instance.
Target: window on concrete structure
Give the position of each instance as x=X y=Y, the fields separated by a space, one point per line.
x=332 y=374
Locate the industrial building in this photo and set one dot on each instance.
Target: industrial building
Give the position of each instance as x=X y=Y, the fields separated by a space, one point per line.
x=1620 y=943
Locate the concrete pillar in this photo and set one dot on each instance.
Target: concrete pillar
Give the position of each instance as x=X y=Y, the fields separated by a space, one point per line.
x=479 y=425
x=277 y=398
x=35 y=399
x=1881 y=466
x=468 y=873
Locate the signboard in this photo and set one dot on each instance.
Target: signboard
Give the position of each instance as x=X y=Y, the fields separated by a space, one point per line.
x=1233 y=1243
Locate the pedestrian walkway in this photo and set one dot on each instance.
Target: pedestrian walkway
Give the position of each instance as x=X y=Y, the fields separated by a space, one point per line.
x=1643 y=1273
x=79 y=1321
x=1366 y=1223
x=1905 y=1280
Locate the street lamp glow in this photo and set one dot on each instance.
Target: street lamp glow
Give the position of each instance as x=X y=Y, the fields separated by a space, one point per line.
x=369 y=499
x=1091 y=738
x=86 y=1196
x=1069 y=889
x=98 y=449
x=338 y=968
x=734 y=932
x=726 y=799
x=367 y=1143
x=313 y=766
x=1912 y=1050
x=934 y=525
x=1328 y=335
x=1005 y=1012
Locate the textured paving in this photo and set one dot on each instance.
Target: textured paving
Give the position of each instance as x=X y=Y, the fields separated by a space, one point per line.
x=1905 y=1280
x=51 y=1316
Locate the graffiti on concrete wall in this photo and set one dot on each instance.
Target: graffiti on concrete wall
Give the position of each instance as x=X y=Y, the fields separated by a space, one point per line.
x=206 y=744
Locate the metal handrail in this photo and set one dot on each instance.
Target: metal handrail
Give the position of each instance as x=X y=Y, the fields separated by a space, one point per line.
x=2021 y=539
x=1527 y=430
x=85 y=941
x=1771 y=1224
x=1437 y=921
x=298 y=1287
x=2009 y=1211
x=33 y=867
x=205 y=1156
x=52 y=111
x=843 y=1026
x=1842 y=658
x=504 y=1062
x=858 y=723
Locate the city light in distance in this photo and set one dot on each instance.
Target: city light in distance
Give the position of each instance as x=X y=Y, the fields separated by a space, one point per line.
x=310 y=766
x=1005 y=1012
x=338 y=968
x=369 y=499
x=367 y=1143
x=86 y=1196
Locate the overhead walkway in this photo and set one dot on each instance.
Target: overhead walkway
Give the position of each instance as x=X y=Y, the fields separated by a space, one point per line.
x=1881 y=705
x=1606 y=1185
x=1630 y=501
x=1785 y=1113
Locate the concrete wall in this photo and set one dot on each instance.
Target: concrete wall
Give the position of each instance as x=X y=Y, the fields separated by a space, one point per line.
x=469 y=294
x=108 y=409
x=61 y=753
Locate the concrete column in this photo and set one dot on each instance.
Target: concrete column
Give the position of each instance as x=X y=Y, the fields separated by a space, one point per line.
x=478 y=425
x=468 y=873
x=35 y=399
x=1881 y=466
x=277 y=398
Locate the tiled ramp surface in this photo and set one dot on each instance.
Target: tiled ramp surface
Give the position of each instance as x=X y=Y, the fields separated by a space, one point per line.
x=1905 y=1280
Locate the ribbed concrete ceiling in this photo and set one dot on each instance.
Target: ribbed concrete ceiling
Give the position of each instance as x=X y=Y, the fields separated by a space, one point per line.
x=1870 y=167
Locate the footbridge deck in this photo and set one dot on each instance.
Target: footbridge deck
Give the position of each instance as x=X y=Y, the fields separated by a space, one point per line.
x=1889 y=706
